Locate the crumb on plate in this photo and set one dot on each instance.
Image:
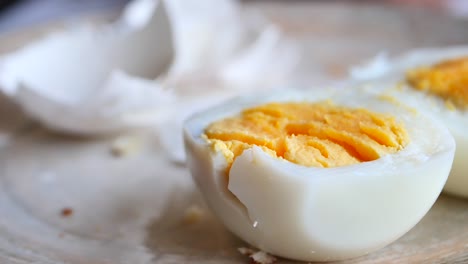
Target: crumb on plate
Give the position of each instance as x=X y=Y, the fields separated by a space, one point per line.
x=66 y=212
x=259 y=257
x=193 y=214
x=125 y=145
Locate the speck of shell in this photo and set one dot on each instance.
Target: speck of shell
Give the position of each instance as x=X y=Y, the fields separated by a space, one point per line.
x=246 y=251
x=66 y=212
x=125 y=145
x=193 y=214
x=257 y=257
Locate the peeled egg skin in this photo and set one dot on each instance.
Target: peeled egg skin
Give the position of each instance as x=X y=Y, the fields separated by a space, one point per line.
x=454 y=118
x=321 y=214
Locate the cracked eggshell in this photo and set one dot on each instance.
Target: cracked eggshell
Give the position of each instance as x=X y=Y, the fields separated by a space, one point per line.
x=392 y=73
x=123 y=102
x=237 y=47
x=271 y=55
x=319 y=214
x=202 y=23
x=65 y=79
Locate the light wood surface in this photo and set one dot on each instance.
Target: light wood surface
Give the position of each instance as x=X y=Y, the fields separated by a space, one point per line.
x=106 y=226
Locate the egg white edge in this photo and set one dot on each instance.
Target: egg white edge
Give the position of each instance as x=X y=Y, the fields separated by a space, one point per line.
x=236 y=202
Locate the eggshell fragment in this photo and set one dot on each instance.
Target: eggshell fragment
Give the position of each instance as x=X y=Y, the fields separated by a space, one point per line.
x=91 y=80
x=318 y=214
x=221 y=41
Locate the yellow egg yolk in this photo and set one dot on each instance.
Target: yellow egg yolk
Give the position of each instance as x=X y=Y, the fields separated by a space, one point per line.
x=310 y=134
x=447 y=79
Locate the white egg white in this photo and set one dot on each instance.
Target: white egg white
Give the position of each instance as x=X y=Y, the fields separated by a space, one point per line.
x=320 y=214
x=392 y=83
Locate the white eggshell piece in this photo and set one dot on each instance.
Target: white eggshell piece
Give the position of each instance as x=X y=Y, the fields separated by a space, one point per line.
x=60 y=79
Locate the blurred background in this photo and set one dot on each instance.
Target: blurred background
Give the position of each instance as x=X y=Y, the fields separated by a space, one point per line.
x=17 y=14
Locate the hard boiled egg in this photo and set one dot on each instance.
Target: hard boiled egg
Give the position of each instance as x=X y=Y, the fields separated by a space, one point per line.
x=319 y=175
x=434 y=81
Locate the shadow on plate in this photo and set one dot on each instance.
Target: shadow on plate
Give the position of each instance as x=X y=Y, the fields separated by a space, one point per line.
x=187 y=230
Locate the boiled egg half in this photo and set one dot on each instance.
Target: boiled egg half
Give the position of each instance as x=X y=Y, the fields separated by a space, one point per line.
x=319 y=175
x=434 y=81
